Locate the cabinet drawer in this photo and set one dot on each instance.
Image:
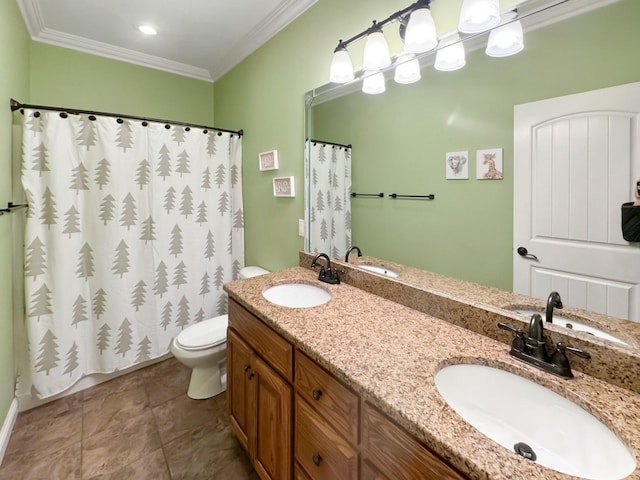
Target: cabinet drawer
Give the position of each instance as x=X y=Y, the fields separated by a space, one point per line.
x=321 y=451
x=277 y=351
x=396 y=454
x=330 y=397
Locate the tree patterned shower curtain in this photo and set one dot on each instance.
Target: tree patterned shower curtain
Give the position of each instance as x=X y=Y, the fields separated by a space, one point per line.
x=329 y=180
x=132 y=229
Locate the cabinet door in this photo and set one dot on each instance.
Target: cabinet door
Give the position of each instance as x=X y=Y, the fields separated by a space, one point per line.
x=273 y=433
x=239 y=389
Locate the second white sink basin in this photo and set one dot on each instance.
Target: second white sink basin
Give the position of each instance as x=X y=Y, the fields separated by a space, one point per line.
x=575 y=325
x=297 y=295
x=514 y=411
x=380 y=270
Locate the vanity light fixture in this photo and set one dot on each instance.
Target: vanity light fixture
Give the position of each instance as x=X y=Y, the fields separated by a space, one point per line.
x=416 y=22
x=373 y=83
x=506 y=40
x=376 y=51
x=407 y=69
x=341 y=66
x=420 y=35
x=418 y=31
x=450 y=58
x=479 y=15
x=147 y=29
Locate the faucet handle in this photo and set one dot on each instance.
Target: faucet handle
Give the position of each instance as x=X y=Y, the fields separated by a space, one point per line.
x=515 y=331
x=561 y=347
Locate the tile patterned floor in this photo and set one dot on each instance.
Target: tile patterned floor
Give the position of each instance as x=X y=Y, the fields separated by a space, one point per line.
x=139 y=426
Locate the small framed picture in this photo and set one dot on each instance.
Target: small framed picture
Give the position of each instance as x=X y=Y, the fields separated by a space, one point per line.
x=268 y=160
x=284 y=187
x=489 y=164
x=457 y=165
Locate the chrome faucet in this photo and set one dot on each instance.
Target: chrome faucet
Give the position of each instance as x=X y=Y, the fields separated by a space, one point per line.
x=532 y=349
x=346 y=257
x=327 y=275
x=554 y=301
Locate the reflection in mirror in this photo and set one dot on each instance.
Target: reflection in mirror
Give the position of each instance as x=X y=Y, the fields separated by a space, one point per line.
x=401 y=138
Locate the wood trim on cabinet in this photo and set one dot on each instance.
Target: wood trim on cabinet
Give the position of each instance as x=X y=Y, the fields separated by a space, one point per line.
x=396 y=453
x=263 y=339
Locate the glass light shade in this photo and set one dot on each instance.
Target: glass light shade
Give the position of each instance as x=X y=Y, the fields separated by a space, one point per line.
x=450 y=58
x=479 y=15
x=407 y=69
x=420 y=35
x=376 y=52
x=341 y=67
x=506 y=40
x=373 y=83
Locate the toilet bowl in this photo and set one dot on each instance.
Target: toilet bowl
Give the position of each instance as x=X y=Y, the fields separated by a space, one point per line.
x=203 y=348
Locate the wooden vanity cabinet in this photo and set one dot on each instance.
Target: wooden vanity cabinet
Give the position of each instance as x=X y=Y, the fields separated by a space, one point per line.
x=259 y=393
x=337 y=435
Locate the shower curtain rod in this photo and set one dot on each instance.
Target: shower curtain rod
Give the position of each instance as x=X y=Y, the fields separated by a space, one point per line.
x=331 y=143
x=15 y=105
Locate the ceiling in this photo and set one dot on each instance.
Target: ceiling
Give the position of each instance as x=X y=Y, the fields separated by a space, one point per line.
x=201 y=39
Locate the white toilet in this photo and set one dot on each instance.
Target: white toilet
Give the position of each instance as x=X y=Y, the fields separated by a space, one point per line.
x=203 y=347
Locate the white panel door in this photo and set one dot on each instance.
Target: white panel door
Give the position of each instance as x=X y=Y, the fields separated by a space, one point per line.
x=576 y=160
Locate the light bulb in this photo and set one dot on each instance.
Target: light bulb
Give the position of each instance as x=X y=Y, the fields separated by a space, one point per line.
x=506 y=40
x=341 y=67
x=479 y=15
x=420 y=35
x=373 y=83
x=407 y=69
x=147 y=29
x=450 y=58
x=376 y=52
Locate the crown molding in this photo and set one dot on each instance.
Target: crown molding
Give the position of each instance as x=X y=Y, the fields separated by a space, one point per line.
x=74 y=42
x=285 y=13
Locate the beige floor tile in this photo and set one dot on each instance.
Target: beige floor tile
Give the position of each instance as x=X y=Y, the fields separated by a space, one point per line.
x=63 y=464
x=101 y=412
x=119 y=445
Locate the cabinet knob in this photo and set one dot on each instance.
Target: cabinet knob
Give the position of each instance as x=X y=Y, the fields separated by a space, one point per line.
x=316 y=393
x=317 y=459
x=251 y=375
x=247 y=368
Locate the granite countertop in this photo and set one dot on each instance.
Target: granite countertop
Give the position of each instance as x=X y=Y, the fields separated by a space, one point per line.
x=390 y=353
x=475 y=293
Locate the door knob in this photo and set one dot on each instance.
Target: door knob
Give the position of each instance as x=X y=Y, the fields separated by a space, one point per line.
x=522 y=251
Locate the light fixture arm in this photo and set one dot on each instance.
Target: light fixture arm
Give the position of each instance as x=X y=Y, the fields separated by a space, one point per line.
x=377 y=26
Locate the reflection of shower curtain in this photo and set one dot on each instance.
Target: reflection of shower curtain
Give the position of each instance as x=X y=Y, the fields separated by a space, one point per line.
x=329 y=198
x=132 y=229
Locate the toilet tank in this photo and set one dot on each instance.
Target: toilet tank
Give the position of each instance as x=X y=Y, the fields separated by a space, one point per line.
x=252 y=271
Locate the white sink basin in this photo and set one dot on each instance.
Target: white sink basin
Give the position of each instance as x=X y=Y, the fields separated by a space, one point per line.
x=297 y=295
x=575 y=325
x=380 y=270
x=510 y=410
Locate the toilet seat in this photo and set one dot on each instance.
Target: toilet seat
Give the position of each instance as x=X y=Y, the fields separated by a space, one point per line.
x=205 y=334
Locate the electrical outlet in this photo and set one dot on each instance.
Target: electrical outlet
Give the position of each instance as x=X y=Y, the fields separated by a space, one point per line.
x=301 y=227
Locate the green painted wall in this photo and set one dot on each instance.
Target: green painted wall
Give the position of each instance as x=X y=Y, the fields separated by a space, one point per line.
x=14 y=82
x=264 y=95
x=68 y=78
x=467 y=231
x=400 y=139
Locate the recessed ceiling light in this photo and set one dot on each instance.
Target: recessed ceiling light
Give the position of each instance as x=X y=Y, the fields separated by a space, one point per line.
x=147 y=29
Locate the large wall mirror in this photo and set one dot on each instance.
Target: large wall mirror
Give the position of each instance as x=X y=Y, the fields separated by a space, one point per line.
x=400 y=139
